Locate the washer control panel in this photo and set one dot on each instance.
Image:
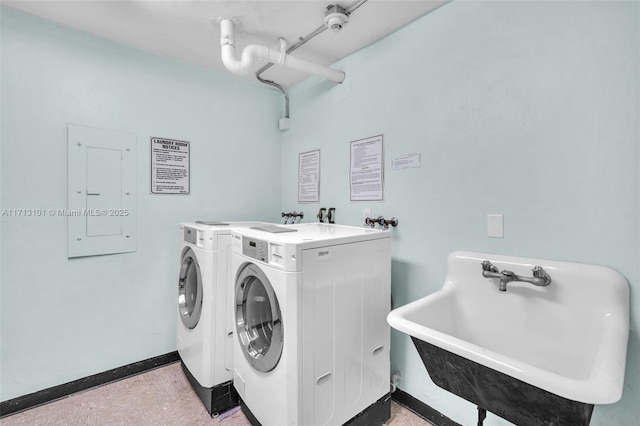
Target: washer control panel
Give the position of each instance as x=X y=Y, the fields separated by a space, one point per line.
x=255 y=249
x=190 y=235
x=280 y=255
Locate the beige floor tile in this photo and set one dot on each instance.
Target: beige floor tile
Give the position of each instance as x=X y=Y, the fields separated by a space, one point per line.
x=401 y=416
x=169 y=384
x=159 y=397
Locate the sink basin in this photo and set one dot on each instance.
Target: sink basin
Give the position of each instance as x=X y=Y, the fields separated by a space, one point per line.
x=568 y=339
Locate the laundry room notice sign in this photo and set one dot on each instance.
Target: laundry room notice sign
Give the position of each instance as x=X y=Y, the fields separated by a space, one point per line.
x=366 y=170
x=170 y=166
x=309 y=177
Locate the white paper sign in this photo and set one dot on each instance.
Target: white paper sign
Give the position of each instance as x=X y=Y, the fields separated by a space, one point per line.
x=366 y=170
x=405 y=161
x=309 y=177
x=170 y=166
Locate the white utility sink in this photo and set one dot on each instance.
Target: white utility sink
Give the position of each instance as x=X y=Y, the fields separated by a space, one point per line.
x=568 y=338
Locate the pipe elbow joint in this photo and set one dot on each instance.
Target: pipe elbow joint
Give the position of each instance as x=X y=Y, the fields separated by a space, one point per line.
x=241 y=67
x=248 y=58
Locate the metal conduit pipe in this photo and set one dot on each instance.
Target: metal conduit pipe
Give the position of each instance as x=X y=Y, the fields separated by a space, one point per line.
x=293 y=47
x=355 y=6
x=301 y=41
x=285 y=95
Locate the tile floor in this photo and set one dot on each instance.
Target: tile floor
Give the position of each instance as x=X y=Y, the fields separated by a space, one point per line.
x=157 y=397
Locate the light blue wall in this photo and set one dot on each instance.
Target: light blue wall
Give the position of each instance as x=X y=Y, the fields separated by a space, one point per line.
x=529 y=109
x=63 y=319
x=526 y=109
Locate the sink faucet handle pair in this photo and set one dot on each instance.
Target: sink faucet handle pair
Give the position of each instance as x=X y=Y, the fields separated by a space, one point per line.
x=540 y=277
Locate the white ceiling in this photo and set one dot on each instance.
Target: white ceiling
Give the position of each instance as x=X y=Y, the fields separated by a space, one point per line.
x=187 y=29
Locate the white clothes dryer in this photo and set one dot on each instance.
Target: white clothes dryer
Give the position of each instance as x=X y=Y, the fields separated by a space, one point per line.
x=312 y=341
x=205 y=320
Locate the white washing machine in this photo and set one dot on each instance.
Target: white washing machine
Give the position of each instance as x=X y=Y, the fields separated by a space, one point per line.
x=205 y=320
x=312 y=343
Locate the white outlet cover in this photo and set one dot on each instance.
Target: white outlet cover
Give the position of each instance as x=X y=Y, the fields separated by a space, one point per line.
x=495 y=226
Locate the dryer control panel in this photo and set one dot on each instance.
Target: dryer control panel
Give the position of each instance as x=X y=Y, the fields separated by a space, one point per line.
x=190 y=235
x=255 y=249
x=276 y=254
x=268 y=252
x=206 y=239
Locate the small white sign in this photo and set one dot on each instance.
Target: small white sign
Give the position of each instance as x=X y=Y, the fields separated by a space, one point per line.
x=309 y=177
x=170 y=166
x=406 y=161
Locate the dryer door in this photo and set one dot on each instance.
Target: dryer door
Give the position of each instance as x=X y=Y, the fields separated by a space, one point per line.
x=258 y=319
x=189 y=289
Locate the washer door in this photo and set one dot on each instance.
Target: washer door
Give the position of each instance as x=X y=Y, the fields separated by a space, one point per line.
x=190 y=289
x=258 y=319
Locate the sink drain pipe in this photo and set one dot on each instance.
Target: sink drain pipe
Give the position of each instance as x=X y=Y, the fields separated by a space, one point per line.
x=482 y=414
x=254 y=53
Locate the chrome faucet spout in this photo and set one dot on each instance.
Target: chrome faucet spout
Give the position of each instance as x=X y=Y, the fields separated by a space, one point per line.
x=507 y=277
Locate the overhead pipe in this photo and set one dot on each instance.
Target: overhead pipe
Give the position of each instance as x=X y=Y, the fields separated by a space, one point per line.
x=302 y=40
x=254 y=52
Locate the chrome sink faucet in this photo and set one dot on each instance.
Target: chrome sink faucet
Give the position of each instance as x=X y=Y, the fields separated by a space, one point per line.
x=540 y=277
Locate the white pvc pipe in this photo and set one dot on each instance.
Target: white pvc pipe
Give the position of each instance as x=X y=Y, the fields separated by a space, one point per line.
x=254 y=52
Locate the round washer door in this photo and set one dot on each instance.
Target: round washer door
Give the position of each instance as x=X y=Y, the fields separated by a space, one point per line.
x=258 y=319
x=190 y=289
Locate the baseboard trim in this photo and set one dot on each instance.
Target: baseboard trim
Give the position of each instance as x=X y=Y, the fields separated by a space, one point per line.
x=32 y=400
x=421 y=409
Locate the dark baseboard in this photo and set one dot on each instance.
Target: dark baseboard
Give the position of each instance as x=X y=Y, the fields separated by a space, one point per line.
x=25 y=402
x=422 y=409
x=377 y=413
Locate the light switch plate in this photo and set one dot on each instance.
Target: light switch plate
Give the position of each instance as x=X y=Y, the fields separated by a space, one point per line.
x=495 y=226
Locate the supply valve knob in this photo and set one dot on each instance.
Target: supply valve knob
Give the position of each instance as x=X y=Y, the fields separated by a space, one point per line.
x=393 y=222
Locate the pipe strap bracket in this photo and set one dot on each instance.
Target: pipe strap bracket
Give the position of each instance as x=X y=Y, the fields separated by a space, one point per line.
x=283 y=51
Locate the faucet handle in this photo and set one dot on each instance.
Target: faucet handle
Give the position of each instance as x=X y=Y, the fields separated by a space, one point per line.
x=320 y=214
x=538 y=272
x=488 y=266
x=286 y=217
x=330 y=213
x=393 y=222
